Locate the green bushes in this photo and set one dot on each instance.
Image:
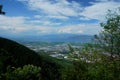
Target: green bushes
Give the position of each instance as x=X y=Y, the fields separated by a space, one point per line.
x=90 y=64
x=76 y=72
x=83 y=71
x=28 y=72
x=105 y=71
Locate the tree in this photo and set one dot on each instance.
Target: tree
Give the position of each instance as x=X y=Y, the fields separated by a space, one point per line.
x=109 y=38
x=1 y=12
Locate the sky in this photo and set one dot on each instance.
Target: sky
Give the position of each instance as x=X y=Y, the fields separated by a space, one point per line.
x=37 y=17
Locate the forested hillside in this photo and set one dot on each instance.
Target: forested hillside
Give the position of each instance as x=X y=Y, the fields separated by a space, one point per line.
x=16 y=55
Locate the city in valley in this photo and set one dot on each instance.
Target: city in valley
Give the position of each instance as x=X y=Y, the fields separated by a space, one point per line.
x=55 y=49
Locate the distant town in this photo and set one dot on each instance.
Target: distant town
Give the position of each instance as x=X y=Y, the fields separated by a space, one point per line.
x=58 y=50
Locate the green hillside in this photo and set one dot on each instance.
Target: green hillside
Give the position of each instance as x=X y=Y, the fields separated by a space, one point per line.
x=16 y=55
x=17 y=62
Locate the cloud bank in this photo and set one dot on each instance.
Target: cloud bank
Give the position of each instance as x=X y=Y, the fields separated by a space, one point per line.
x=59 y=16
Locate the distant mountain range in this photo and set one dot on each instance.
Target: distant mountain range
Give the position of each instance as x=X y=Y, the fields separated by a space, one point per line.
x=55 y=38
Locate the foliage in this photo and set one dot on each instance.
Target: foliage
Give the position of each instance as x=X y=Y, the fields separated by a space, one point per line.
x=76 y=72
x=5 y=60
x=109 y=38
x=105 y=71
x=87 y=53
x=28 y=72
x=90 y=64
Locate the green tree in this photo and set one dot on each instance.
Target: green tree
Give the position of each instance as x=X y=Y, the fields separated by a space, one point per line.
x=109 y=38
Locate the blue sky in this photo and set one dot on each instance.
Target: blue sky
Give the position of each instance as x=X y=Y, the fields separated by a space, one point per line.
x=37 y=17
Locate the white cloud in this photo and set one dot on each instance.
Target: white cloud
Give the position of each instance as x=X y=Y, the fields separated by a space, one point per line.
x=43 y=29
x=42 y=23
x=98 y=10
x=73 y=29
x=12 y=24
x=18 y=25
x=104 y=0
x=84 y=18
x=88 y=29
x=81 y=29
x=56 y=8
x=52 y=17
x=62 y=9
x=59 y=17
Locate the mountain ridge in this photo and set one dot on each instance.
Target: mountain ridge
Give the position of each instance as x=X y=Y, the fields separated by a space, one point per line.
x=55 y=38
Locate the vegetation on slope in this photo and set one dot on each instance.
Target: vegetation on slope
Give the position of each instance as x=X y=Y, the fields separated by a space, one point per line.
x=16 y=55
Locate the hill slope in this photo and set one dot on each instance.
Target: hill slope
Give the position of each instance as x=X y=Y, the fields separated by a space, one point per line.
x=18 y=55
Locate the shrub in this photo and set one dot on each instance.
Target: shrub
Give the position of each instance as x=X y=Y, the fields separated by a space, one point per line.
x=28 y=72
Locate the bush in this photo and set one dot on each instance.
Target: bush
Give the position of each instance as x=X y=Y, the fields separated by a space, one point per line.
x=28 y=72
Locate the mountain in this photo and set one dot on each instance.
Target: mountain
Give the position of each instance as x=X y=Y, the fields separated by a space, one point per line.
x=55 y=38
x=17 y=55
